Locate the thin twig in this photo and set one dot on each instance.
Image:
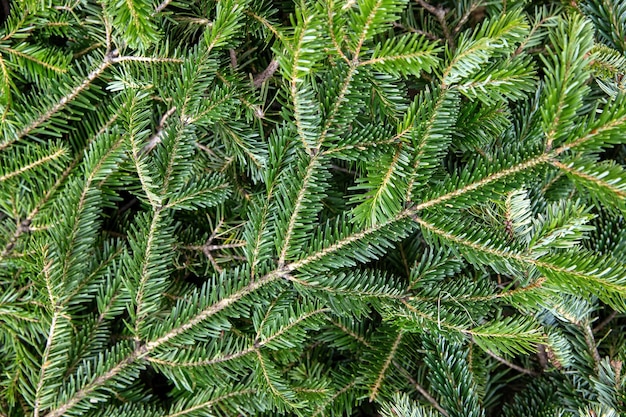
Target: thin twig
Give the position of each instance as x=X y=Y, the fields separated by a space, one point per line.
x=420 y=389
x=604 y=322
x=158 y=135
x=233 y=58
x=511 y=365
x=591 y=344
x=63 y=101
x=266 y=74
x=465 y=18
x=542 y=355
x=344 y=170
x=161 y=6
x=440 y=14
x=418 y=31
x=116 y=60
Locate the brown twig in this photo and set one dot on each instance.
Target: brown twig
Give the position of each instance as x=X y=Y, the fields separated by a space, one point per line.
x=440 y=14
x=233 y=58
x=158 y=135
x=420 y=389
x=161 y=6
x=418 y=31
x=511 y=365
x=266 y=74
x=591 y=344
x=604 y=322
x=464 y=18
x=542 y=355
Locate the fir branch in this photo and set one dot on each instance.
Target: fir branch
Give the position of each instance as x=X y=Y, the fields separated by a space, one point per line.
x=143 y=350
x=511 y=365
x=526 y=165
x=259 y=343
x=295 y=213
x=24 y=225
x=266 y=74
x=61 y=103
x=320 y=410
x=388 y=361
x=145 y=273
x=45 y=363
x=440 y=14
x=43 y=160
x=283 y=396
x=336 y=246
x=209 y=404
x=420 y=389
x=104 y=274
x=352 y=334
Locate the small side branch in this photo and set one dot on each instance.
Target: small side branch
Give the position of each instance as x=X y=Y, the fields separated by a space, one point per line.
x=157 y=137
x=65 y=99
x=440 y=14
x=161 y=6
x=591 y=344
x=420 y=389
x=511 y=365
x=604 y=322
x=413 y=30
x=266 y=74
x=465 y=18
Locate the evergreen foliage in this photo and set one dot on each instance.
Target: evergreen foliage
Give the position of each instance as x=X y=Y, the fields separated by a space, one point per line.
x=312 y=208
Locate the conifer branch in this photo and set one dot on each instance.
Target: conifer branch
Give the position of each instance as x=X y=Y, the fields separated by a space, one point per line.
x=211 y=310
x=45 y=362
x=43 y=160
x=145 y=272
x=257 y=345
x=352 y=334
x=420 y=389
x=24 y=225
x=44 y=64
x=207 y=362
x=440 y=14
x=526 y=165
x=345 y=242
x=86 y=83
x=596 y=180
x=104 y=274
x=595 y=276
x=511 y=365
x=320 y=410
x=144 y=349
x=145 y=59
x=295 y=214
x=212 y=402
x=271 y=385
x=591 y=344
x=388 y=361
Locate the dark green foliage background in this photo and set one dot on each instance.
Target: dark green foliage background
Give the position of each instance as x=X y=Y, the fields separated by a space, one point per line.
x=313 y=208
